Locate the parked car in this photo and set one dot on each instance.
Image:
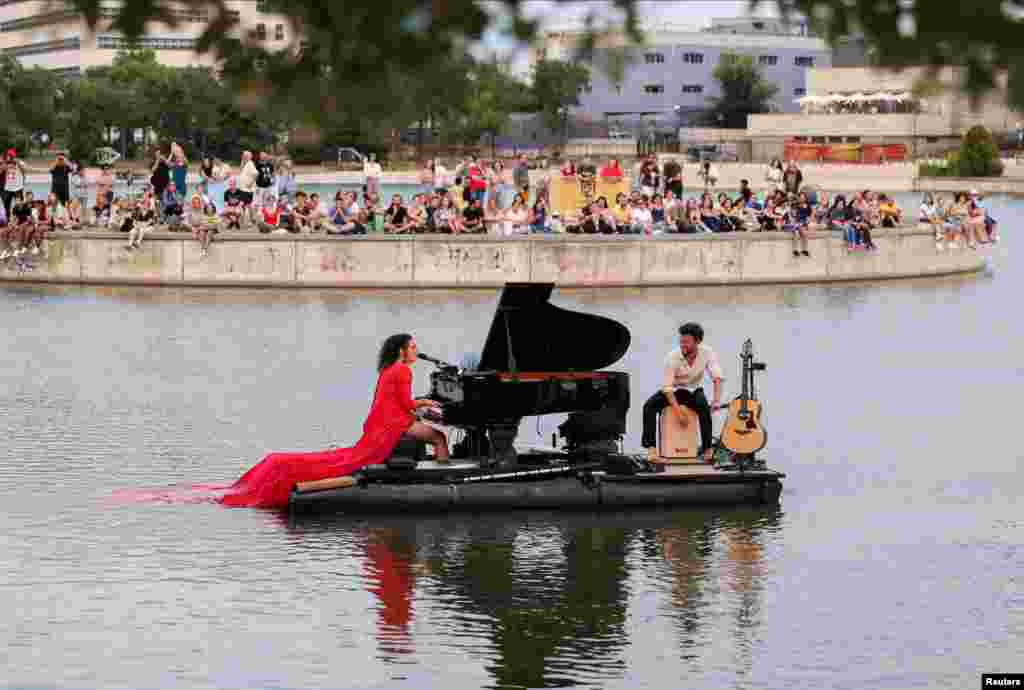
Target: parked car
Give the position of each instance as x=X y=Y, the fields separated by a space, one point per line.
x=350 y=159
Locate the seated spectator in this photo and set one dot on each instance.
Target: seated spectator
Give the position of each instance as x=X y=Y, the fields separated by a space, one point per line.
x=446 y=218
x=145 y=217
x=270 y=215
x=233 y=212
x=473 y=218
x=568 y=168
x=171 y=208
x=539 y=217
x=991 y=224
x=974 y=224
x=342 y=221
x=659 y=219
x=641 y=220
x=101 y=211
x=317 y=213
x=955 y=213
x=18 y=230
x=56 y=213
x=204 y=227
x=74 y=214
x=709 y=215
x=396 y=217
x=287 y=223
x=798 y=224
x=891 y=214
x=300 y=212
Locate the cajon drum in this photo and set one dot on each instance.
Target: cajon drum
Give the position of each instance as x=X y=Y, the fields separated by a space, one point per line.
x=676 y=445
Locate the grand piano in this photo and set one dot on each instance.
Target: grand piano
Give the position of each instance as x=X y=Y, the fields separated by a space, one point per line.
x=538 y=359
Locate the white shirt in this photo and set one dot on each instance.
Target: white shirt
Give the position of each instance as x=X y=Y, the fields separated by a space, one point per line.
x=679 y=374
x=641 y=215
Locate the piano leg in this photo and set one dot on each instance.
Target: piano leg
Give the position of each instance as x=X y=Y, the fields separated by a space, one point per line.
x=503 y=438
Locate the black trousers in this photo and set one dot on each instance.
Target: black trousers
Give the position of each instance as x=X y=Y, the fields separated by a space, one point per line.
x=658 y=402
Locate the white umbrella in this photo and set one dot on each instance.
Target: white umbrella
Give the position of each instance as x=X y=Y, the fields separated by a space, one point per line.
x=835 y=98
x=859 y=97
x=809 y=98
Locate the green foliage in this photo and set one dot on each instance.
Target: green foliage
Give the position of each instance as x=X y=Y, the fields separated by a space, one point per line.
x=557 y=85
x=744 y=91
x=979 y=156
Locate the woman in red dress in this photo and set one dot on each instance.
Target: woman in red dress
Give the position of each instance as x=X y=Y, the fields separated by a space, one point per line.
x=268 y=484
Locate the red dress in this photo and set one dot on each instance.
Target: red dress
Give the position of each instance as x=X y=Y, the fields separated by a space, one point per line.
x=268 y=483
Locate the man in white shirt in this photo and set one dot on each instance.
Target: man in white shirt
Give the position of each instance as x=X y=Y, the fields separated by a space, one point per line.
x=247 y=182
x=682 y=384
x=372 y=171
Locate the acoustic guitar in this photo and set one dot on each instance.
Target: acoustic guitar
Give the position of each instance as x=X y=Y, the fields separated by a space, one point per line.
x=743 y=432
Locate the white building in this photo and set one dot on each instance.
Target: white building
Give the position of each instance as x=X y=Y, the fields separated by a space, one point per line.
x=56 y=37
x=671 y=74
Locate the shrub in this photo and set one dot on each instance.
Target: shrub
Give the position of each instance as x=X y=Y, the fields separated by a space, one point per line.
x=979 y=156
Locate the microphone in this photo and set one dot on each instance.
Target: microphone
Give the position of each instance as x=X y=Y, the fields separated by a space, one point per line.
x=432 y=360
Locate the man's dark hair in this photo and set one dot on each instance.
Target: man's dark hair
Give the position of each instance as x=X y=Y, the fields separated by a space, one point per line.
x=692 y=329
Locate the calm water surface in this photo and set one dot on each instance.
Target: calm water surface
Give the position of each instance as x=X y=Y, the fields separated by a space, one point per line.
x=894 y=560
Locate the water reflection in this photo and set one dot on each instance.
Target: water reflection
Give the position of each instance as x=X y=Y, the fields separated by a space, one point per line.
x=552 y=592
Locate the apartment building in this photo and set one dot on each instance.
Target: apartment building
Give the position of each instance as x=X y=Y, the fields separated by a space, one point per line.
x=671 y=74
x=54 y=36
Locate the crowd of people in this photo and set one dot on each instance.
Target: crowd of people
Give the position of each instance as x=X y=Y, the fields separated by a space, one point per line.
x=475 y=197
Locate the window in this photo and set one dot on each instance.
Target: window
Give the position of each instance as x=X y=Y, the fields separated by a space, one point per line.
x=654 y=58
x=803 y=61
x=117 y=42
x=618 y=89
x=800 y=140
x=693 y=88
x=931 y=140
x=835 y=140
x=235 y=16
x=817 y=140
x=279 y=32
x=587 y=88
x=44 y=47
x=654 y=88
x=768 y=60
x=693 y=58
x=799 y=92
x=261 y=32
x=852 y=140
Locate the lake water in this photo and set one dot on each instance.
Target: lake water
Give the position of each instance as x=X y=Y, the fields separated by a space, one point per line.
x=894 y=560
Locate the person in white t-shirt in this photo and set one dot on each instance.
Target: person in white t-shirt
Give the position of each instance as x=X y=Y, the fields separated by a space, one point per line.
x=683 y=385
x=372 y=172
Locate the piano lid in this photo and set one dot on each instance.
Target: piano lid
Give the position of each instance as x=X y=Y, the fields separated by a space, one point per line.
x=544 y=337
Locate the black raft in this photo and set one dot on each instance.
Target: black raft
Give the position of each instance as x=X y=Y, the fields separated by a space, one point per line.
x=537 y=359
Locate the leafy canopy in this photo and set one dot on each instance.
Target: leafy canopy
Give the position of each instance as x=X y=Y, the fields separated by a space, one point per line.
x=744 y=91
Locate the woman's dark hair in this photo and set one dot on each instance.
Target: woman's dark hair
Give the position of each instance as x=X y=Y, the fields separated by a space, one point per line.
x=692 y=329
x=391 y=350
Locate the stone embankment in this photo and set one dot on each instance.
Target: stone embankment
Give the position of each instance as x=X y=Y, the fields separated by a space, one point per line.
x=482 y=262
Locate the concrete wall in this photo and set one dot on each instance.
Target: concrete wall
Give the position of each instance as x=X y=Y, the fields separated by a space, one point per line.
x=444 y=261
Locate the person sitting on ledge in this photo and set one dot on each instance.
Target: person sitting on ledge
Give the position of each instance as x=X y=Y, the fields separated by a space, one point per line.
x=270 y=220
x=172 y=209
x=473 y=218
x=889 y=211
x=568 y=168
x=396 y=217
x=682 y=384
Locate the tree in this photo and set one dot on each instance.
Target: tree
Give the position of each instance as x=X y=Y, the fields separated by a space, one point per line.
x=979 y=156
x=744 y=91
x=557 y=86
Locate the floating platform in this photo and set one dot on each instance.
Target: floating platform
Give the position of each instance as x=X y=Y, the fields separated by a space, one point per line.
x=433 y=487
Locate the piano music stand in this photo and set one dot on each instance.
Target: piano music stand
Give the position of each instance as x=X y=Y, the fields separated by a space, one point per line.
x=676 y=445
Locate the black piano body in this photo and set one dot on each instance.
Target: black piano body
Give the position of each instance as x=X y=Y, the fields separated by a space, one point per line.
x=537 y=359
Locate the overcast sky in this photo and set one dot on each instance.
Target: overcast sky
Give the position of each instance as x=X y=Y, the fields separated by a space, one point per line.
x=563 y=15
